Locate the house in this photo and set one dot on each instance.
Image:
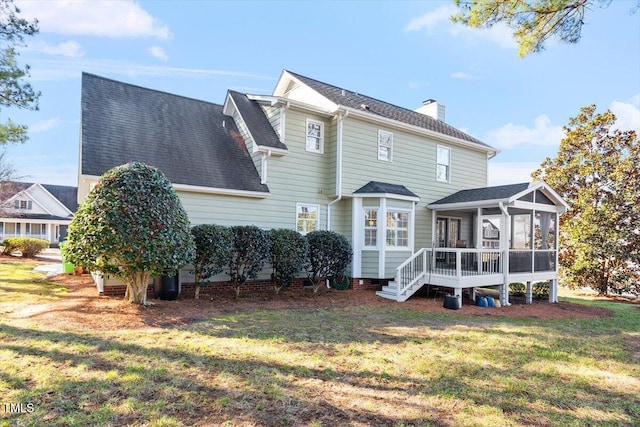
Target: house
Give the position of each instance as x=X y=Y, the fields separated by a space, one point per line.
x=407 y=189
x=41 y=211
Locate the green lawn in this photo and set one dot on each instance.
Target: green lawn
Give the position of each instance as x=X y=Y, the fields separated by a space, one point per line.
x=355 y=366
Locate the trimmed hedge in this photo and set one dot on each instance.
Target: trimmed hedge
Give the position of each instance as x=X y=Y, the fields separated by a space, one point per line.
x=288 y=254
x=540 y=290
x=29 y=247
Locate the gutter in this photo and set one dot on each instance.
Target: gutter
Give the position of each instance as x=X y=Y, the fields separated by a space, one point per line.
x=341 y=118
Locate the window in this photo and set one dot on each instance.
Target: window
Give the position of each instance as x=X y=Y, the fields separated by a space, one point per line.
x=23 y=204
x=385 y=145
x=315 y=136
x=307 y=218
x=443 y=168
x=448 y=232
x=397 y=229
x=370 y=227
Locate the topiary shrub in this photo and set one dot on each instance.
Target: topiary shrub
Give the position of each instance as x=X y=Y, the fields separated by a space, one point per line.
x=251 y=247
x=213 y=252
x=29 y=247
x=288 y=254
x=329 y=256
x=131 y=226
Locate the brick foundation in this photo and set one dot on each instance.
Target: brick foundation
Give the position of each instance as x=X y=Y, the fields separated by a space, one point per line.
x=187 y=289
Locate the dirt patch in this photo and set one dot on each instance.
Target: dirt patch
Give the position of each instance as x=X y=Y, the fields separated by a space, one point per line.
x=81 y=308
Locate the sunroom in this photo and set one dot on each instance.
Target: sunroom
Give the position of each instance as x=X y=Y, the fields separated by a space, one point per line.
x=487 y=237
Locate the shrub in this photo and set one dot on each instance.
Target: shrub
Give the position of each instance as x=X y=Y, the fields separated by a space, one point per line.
x=288 y=254
x=329 y=255
x=28 y=246
x=540 y=290
x=517 y=288
x=131 y=226
x=213 y=252
x=250 y=251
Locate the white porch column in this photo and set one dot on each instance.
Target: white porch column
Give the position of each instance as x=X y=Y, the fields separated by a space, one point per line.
x=529 y=294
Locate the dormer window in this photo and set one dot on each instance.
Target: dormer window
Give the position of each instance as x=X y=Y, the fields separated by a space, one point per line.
x=385 y=145
x=23 y=204
x=315 y=136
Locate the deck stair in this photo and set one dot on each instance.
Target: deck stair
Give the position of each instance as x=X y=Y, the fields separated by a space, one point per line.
x=411 y=275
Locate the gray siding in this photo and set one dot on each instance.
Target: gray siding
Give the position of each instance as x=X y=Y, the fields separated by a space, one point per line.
x=392 y=260
x=413 y=165
x=370 y=260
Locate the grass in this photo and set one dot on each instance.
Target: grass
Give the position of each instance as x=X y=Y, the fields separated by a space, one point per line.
x=350 y=366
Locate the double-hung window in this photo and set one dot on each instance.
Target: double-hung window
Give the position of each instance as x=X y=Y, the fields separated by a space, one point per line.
x=385 y=145
x=397 y=229
x=371 y=227
x=23 y=204
x=443 y=168
x=315 y=136
x=307 y=218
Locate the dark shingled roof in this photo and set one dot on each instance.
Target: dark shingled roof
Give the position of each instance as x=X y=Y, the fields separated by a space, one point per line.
x=486 y=193
x=355 y=100
x=256 y=121
x=68 y=196
x=192 y=142
x=383 y=187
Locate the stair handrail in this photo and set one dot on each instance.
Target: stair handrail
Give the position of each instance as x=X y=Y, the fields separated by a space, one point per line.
x=402 y=287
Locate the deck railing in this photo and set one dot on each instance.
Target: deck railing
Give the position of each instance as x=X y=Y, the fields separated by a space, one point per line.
x=466 y=262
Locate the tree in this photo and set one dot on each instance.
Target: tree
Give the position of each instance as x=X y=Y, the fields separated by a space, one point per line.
x=329 y=255
x=596 y=172
x=8 y=186
x=533 y=21
x=213 y=252
x=14 y=91
x=251 y=247
x=131 y=226
x=288 y=254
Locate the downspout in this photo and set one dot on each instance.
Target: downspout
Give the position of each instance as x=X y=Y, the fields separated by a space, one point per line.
x=341 y=118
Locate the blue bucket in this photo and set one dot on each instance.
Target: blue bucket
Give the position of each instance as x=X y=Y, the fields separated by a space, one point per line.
x=490 y=302
x=481 y=302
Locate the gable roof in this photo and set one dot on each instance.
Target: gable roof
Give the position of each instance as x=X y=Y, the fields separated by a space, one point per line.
x=375 y=187
x=506 y=194
x=66 y=195
x=192 y=142
x=354 y=100
x=481 y=194
x=257 y=123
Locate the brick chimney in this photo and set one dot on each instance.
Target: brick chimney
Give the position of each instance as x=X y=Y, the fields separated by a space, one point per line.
x=431 y=108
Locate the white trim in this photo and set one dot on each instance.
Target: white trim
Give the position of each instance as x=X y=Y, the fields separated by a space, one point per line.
x=382 y=242
x=319 y=150
x=386 y=196
x=199 y=189
x=264 y=167
x=308 y=205
x=356 y=214
x=222 y=191
x=382 y=134
x=53 y=197
x=448 y=177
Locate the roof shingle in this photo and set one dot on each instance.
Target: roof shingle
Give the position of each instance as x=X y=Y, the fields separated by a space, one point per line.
x=486 y=193
x=355 y=100
x=256 y=121
x=192 y=142
x=376 y=187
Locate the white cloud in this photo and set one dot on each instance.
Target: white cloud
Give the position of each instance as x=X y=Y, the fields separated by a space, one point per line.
x=627 y=113
x=510 y=136
x=502 y=173
x=430 y=20
x=159 y=53
x=45 y=125
x=464 y=76
x=121 y=19
x=499 y=34
x=70 y=49
x=52 y=70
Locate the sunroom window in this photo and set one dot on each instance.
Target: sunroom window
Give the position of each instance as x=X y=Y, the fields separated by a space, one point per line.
x=397 y=229
x=370 y=227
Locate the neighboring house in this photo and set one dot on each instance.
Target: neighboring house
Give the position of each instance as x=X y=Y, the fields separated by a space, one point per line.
x=36 y=210
x=315 y=156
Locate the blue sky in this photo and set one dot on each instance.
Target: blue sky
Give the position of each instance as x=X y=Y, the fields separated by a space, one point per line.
x=400 y=52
